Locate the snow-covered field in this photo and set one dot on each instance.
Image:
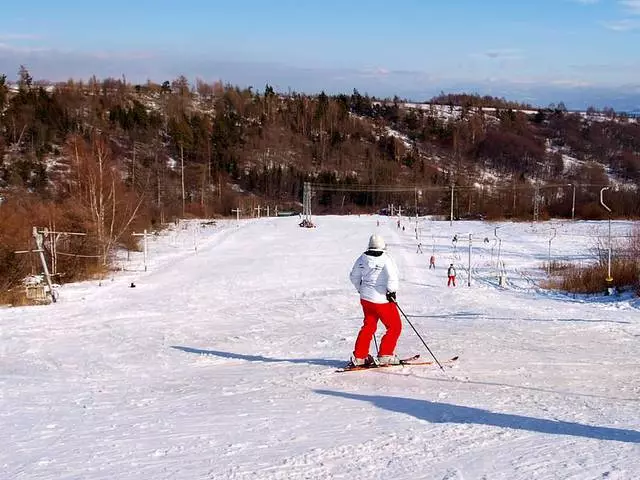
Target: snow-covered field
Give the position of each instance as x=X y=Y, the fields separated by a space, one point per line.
x=220 y=363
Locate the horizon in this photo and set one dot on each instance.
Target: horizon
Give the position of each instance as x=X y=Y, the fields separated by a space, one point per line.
x=579 y=52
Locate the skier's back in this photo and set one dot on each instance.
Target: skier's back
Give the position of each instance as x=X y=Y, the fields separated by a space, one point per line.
x=451 y=274
x=375 y=276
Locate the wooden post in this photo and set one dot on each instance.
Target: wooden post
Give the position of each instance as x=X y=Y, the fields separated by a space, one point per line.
x=237 y=212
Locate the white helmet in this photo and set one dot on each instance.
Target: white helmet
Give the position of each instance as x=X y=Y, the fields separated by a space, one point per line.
x=376 y=242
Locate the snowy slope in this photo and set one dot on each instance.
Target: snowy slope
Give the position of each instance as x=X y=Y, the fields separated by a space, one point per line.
x=220 y=363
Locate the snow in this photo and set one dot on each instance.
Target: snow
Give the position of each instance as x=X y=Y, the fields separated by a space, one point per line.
x=220 y=363
x=406 y=141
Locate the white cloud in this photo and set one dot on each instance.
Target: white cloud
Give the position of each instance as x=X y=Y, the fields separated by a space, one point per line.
x=570 y=83
x=18 y=36
x=632 y=6
x=625 y=25
x=8 y=48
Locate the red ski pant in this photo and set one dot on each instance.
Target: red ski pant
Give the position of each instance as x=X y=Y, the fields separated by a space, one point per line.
x=388 y=314
x=452 y=279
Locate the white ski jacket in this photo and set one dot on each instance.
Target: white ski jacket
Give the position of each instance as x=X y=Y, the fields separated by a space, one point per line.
x=374 y=274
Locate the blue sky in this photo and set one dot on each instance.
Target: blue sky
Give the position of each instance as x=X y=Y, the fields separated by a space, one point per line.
x=531 y=50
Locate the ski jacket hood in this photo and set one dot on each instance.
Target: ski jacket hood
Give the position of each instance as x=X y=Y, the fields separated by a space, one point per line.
x=374 y=274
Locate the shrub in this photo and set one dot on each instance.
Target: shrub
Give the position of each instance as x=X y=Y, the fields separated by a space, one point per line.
x=625 y=270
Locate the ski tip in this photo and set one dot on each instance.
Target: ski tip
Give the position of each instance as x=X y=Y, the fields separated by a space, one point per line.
x=455 y=358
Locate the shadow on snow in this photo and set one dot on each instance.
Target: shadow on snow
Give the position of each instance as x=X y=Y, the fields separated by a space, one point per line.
x=436 y=412
x=259 y=358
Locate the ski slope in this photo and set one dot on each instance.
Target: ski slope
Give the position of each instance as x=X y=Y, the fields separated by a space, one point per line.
x=220 y=363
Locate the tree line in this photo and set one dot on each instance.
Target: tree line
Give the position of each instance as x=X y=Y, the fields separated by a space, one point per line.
x=106 y=157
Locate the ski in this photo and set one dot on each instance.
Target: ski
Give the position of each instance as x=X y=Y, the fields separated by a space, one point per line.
x=403 y=362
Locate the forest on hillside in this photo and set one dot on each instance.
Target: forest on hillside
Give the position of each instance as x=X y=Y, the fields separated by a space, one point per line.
x=105 y=157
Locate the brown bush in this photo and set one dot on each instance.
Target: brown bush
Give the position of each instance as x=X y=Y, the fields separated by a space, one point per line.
x=625 y=269
x=77 y=254
x=593 y=279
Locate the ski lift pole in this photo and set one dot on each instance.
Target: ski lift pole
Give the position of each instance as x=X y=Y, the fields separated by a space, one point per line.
x=609 y=278
x=495 y=232
x=549 y=257
x=39 y=239
x=420 y=337
x=469 y=272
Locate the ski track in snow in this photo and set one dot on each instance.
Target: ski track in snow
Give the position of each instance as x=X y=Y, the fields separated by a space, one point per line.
x=220 y=363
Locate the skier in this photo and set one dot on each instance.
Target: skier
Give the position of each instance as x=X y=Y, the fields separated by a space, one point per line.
x=419 y=250
x=376 y=278
x=451 y=273
x=432 y=262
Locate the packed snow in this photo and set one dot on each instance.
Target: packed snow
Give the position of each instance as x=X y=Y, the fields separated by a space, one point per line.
x=219 y=360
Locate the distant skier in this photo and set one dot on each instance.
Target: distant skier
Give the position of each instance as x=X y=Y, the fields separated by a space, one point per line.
x=432 y=262
x=451 y=273
x=419 y=249
x=375 y=276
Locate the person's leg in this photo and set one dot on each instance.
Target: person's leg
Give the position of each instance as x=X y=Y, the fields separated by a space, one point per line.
x=391 y=320
x=368 y=329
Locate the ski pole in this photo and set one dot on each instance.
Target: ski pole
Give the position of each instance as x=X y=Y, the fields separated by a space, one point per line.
x=375 y=342
x=423 y=342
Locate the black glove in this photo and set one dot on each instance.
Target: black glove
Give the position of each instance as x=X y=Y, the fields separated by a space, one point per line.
x=391 y=297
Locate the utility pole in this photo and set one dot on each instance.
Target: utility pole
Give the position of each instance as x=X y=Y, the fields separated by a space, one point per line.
x=417 y=219
x=159 y=200
x=536 y=207
x=573 y=202
x=451 y=217
x=182 y=178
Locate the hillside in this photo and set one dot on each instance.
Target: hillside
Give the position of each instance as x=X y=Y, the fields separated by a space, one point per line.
x=108 y=158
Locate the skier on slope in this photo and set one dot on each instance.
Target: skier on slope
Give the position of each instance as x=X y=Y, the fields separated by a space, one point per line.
x=375 y=276
x=451 y=273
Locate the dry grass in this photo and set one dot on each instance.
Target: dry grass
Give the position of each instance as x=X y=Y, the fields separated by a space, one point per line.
x=625 y=270
x=16 y=298
x=593 y=279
